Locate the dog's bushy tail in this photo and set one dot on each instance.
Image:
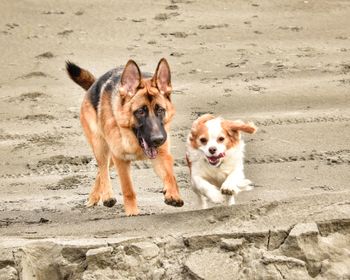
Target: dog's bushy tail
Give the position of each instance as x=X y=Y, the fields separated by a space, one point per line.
x=80 y=76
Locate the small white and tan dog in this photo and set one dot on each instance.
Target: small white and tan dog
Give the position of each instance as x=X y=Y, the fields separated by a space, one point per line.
x=214 y=155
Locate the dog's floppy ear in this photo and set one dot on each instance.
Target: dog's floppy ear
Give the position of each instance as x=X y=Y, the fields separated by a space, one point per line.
x=198 y=122
x=236 y=126
x=162 y=77
x=130 y=79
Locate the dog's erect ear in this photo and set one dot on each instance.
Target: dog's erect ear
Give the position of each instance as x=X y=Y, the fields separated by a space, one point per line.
x=130 y=79
x=162 y=77
x=236 y=126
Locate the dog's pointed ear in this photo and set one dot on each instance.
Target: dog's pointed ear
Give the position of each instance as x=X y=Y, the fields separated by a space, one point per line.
x=162 y=77
x=130 y=79
x=236 y=126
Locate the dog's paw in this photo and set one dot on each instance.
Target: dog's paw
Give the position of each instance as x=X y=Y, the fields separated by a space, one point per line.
x=174 y=202
x=132 y=211
x=172 y=199
x=93 y=200
x=229 y=190
x=110 y=202
x=89 y=203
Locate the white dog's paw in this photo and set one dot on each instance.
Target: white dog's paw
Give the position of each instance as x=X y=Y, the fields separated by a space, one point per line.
x=215 y=196
x=230 y=189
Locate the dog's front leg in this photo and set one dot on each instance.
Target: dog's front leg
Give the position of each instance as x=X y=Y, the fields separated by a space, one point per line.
x=163 y=166
x=206 y=189
x=231 y=184
x=129 y=195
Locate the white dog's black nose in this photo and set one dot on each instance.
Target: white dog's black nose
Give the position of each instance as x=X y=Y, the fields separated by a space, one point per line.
x=212 y=150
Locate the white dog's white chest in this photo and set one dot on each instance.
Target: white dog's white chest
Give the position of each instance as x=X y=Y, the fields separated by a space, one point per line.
x=215 y=175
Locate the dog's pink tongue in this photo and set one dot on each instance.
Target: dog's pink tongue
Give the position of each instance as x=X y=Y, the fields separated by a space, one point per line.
x=151 y=152
x=221 y=155
x=215 y=159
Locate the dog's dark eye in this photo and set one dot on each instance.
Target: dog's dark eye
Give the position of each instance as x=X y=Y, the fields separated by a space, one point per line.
x=141 y=112
x=203 y=140
x=160 y=111
x=221 y=139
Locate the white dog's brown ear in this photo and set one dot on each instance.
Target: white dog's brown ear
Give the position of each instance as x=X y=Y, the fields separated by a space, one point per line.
x=247 y=127
x=162 y=77
x=130 y=79
x=199 y=128
x=240 y=126
x=200 y=121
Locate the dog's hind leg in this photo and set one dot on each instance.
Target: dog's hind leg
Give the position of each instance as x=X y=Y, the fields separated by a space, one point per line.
x=246 y=185
x=129 y=195
x=230 y=200
x=202 y=201
x=102 y=188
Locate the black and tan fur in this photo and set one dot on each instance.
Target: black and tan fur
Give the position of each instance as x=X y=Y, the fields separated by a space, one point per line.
x=126 y=117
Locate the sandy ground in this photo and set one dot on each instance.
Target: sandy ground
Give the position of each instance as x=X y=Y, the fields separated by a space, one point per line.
x=283 y=64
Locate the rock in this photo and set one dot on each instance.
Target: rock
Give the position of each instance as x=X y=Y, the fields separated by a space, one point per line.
x=300 y=235
x=8 y=273
x=6 y=257
x=161 y=17
x=269 y=258
x=304 y=254
x=205 y=240
x=275 y=268
x=174 y=243
x=302 y=243
x=336 y=257
x=146 y=249
x=198 y=241
x=101 y=274
x=99 y=258
x=131 y=261
x=204 y=264
x=158 y=274
x=325 y=257
x=41 y=261
x=276 y=238
x=336 y=225
x=50 y=260
x=303 y=230
x=45 y=55
x=232 y=244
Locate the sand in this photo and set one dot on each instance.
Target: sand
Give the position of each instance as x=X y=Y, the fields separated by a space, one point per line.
x=284 y=65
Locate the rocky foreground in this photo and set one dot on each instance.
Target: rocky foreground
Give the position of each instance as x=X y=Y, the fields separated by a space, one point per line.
x=257 y=241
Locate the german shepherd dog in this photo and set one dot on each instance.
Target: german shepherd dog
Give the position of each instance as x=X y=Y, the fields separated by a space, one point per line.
x=126 y=117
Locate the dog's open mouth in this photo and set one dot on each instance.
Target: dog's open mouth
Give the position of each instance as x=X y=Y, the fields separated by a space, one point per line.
x=214 y=160
x=150 y=152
